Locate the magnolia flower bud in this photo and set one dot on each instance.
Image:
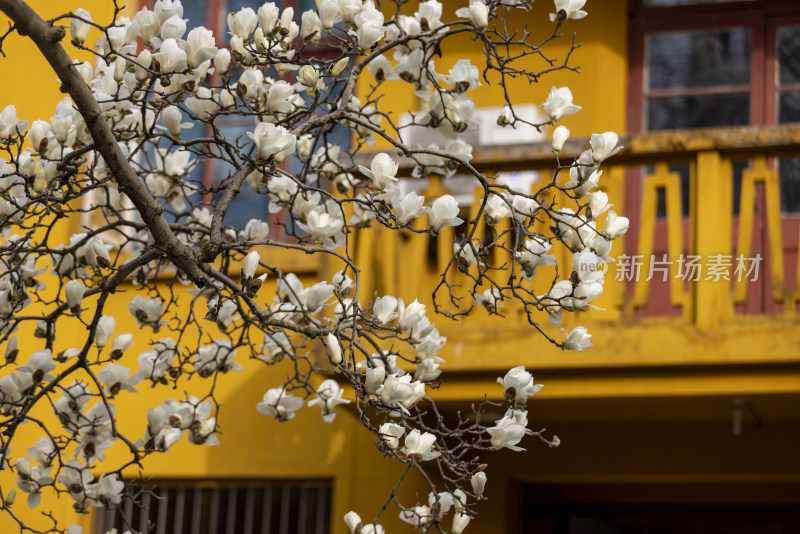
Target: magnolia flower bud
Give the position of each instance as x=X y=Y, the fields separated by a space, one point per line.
x=339 y=66
x=105 y=327
x=74 y=290
x=173 y=28
x=171 y=117
x=84 y=70
x=143 y=62
x=121 y=343
x=268 y=16
x=250 y=266
x=310 y=26
x=78 y=28
x=334 y=349
x=560 y=135
x=304 y=144
x=38 y=134
x=329 y=12
x=308 y=77
x=67 y=354
x=353 y=522
x=460 y=522
x=478 y=482
x=101 y=251
x=506 y=116
x=222 y=61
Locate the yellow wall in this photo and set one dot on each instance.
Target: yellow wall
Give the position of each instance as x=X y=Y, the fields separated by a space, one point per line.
x=628 y=361
x=599 y=88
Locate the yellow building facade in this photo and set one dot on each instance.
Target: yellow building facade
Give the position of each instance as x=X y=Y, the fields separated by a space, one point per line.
x=684 y=416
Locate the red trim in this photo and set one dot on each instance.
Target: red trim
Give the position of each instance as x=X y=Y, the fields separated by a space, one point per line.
x=770 y=67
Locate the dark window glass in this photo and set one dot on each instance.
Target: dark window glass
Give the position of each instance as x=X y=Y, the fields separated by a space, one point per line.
x=236 y=5
x=681 y=60
x=789 y=54
x=197 y=13
x=698 y=111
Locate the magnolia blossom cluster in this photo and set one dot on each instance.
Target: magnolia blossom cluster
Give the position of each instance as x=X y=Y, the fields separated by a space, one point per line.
x=140 y=169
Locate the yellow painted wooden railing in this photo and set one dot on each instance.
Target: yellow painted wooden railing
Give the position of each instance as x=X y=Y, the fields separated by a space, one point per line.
x=686 y=312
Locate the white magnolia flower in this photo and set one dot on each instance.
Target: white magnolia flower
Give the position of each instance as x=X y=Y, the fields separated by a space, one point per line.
x=203 y=104
x=280 y=97
x=44 y=451
x=382 y=171
x=121 y=343
x=429 y=14
x=250 y=266
x=384 y=309
x=280 y=404
x=108 y=490
x=216 y=357
x=201 y=47
x=105 y=327
x=568 y=9
x=598 y=203
x=173 y=28
x=164 y=9
x=171 y=57
x=323 y=226
x=273 y=143
x=518 y=386
x=604 y=146
x=578 y=339
x=79 y=29
x=310 y=26
x=560 y=136
x=477 y=13
x=428 y=369
x=73 y=291
x=9 y=124
x=463 y=76
x=419 y=446
x=559 y=103
x=353 y=522
x=391 y=433
x=420 y=517
x=222 y=61
x=115 y=378
x=374 y=379
x=509 y=430
x=397 y=389
x=580 y=184
x=443 y=212
x=334 y=349
x=409 y=316
x=460 y=522
x=616 y=226
x=147 y=311
x=409 y=207
x=329 y=395
x=478 y=482
x=242 y=23
x=496 y=209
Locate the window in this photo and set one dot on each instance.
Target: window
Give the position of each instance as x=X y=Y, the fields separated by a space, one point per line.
x=212 y=14
x=296 y=508
x=704 y=63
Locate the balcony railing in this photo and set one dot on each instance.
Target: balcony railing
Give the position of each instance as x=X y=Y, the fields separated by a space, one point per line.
x=713 y=195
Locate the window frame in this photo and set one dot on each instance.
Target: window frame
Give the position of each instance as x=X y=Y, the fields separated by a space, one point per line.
x=762 y=17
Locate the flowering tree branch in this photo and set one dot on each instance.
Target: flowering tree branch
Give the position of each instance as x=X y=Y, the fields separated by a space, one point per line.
x=123 y=153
